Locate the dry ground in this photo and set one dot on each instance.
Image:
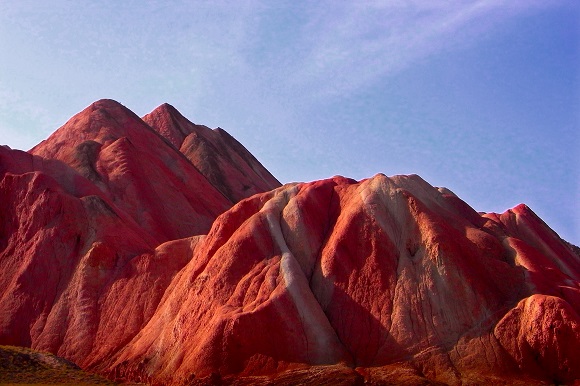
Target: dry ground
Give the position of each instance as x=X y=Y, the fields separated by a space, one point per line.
x=23 y=366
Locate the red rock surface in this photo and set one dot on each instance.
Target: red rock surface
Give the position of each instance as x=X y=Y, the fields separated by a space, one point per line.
x=73 y=266
x=386 y=281
x=83 y=215
x=368 y=274
x=137 y=169
x=229 y=166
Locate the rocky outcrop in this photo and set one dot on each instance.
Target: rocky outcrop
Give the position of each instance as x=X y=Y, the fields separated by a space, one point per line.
x=228 y=165
x=137 y=169
x=370 y=274
x=121 y=250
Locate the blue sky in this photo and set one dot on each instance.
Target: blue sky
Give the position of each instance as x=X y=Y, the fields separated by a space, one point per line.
x=482 y=97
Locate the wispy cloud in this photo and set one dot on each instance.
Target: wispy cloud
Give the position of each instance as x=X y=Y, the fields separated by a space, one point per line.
x=338 y=47
x=249 y=56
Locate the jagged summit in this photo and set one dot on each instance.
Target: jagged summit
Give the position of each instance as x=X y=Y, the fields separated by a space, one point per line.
x=102 y=121
x=160 y=251
x=223 y=160
x=169 y=122
x=137 y=170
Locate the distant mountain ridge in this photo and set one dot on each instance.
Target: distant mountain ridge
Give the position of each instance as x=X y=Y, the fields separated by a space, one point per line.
x=157 y=250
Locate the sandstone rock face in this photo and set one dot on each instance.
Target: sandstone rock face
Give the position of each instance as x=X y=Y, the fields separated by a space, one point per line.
x=137 y=169
x=121 y=251
x=79 y=276
x=383 y=271
x=94 y=222
x=229 y=166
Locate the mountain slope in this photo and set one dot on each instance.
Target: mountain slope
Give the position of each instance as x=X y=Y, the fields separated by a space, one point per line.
x=67 y=257
x=216 y=154
x=137 y=169
x=382 y=271
x=103 y=214
x=121 y=250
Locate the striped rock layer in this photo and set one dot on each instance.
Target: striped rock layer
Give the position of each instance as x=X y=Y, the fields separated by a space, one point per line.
x=162 y=251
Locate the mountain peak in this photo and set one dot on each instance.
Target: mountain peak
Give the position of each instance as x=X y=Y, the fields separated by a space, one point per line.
x=107 y=110
x=103 y=121
x=106 y=103
x=214 y=152
x=166 y=108
x=170 y=124
x=217 y=271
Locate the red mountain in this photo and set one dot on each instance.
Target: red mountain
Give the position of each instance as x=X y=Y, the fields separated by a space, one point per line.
x=385 y=281
x=231 y=168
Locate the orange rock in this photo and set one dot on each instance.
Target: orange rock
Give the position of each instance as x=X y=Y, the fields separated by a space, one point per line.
x=120 y=251
x=542 y=334
x=367 y=274
x=228 y=165
x=137 y=170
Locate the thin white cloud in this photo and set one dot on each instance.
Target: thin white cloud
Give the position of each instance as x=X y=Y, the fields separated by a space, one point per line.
x=343 y=46
x=240 y=59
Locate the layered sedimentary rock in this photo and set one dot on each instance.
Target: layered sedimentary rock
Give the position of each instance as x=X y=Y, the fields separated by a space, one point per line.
x=368 y=274
x=94 y=222
x=121 y=249
x=229 y=166
x=141 y=173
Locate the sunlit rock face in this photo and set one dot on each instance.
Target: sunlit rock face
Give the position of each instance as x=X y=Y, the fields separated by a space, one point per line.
x=368 y=274
x=95 y=221
x=162 y=251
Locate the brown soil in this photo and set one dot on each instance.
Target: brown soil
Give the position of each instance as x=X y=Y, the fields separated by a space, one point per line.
x=23 y=366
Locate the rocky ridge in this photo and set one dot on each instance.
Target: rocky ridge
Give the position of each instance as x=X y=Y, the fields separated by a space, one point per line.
x=156 y=250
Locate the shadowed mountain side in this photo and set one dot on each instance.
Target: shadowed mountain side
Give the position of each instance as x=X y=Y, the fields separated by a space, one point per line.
x=369 y=274
x=79 y=276
x=137 y=169
x=228 y=165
